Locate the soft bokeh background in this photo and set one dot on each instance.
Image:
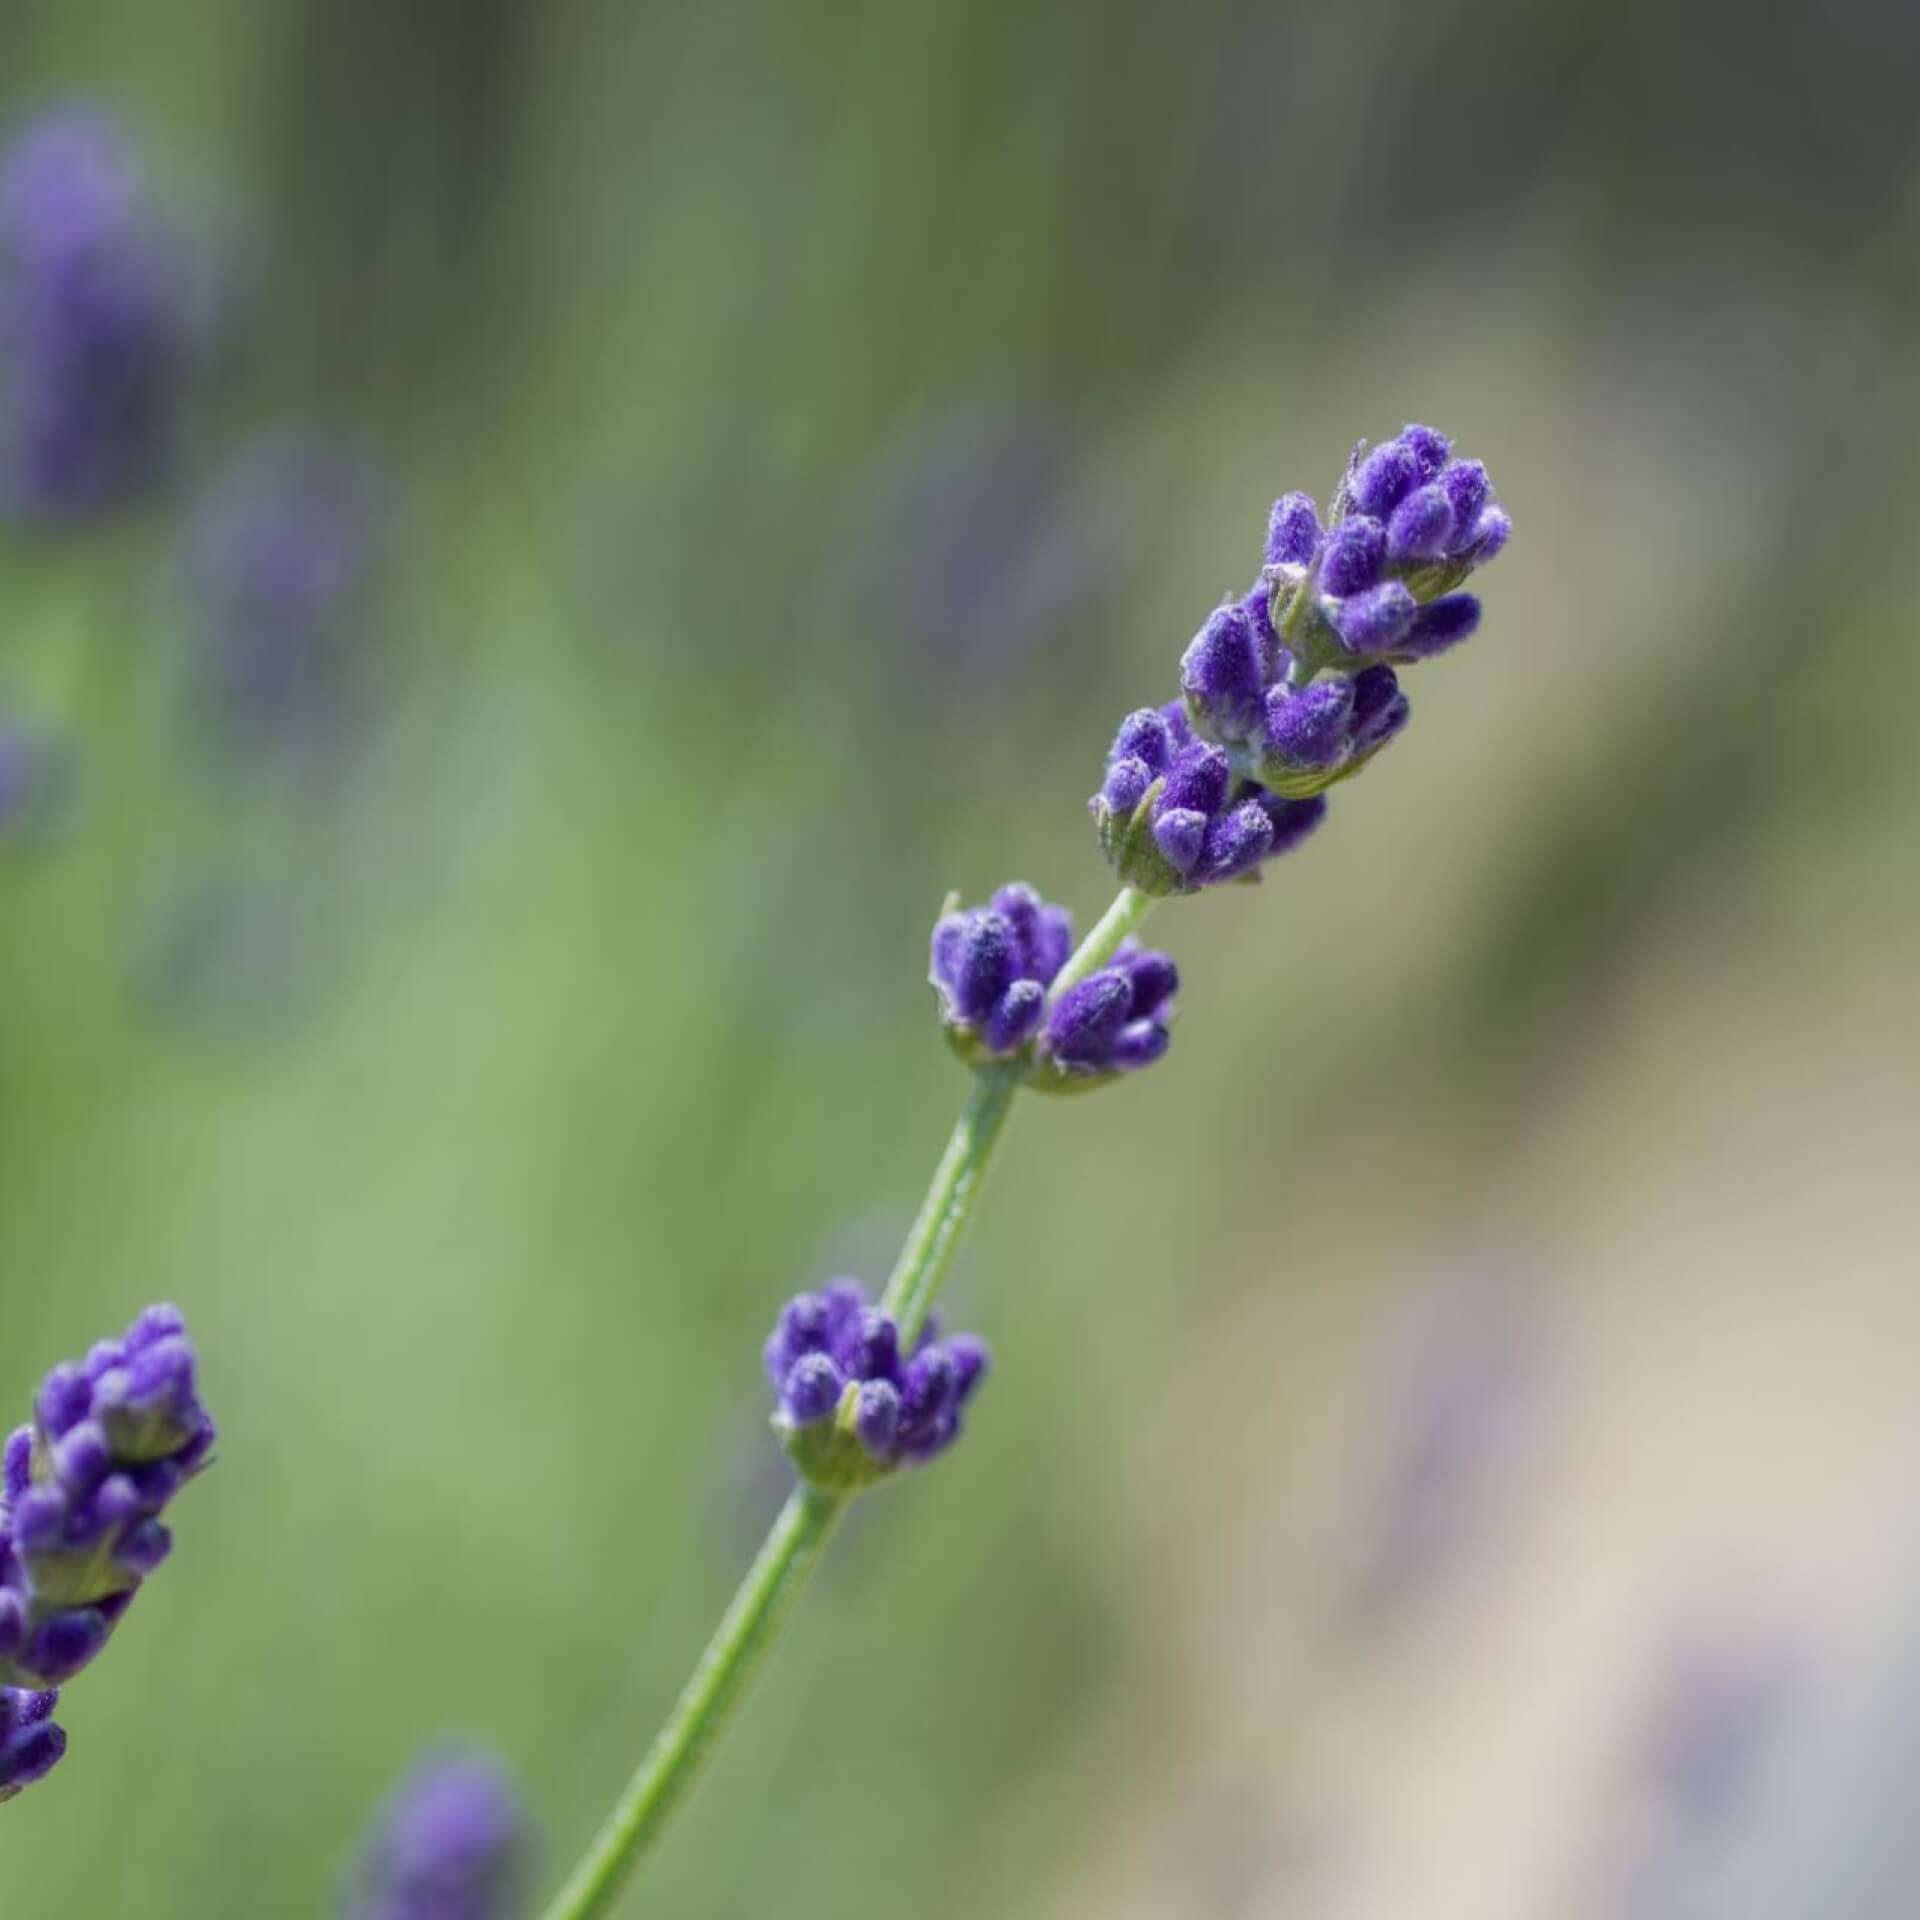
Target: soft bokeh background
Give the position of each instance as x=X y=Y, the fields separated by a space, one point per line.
x=1455 y=1445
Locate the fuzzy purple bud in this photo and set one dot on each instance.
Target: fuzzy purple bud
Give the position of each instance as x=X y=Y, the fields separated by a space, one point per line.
x=1384 y=478
x=1380 y=709
x=1422 y=525
x=1429 y=449
x=1308 y=729
x=1441 y=624
x=1293 y=820
x=450 y=1845
x=1222 y=674
x=30 y=1742
x=1293 y=531
x=1375 y=621
x=1354 y=553
x=1117 y=1020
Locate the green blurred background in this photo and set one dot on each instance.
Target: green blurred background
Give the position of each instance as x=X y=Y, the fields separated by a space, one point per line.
x=1484 y=1348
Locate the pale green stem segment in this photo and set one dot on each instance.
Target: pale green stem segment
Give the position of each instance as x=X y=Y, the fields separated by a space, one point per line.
x=1130 y=907
x=806 y=1522
x=705 y=1705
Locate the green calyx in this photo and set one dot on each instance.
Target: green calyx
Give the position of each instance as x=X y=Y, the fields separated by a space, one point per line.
x=827 y=1453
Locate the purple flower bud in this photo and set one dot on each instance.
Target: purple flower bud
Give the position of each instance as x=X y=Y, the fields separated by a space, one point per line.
x=1466 y=486
x=1380 y=709
x=1083 y=1025
x=1115 y=1021
x=1308 y=729
x=1384 y=478
x=118 y=1437
x=971 y=1360
x=1441 y=624
x=1181 y=834
x=1429 y=449
x=1221 y=675
x=991 y=967
x=30 y=1742
x=1293 y=820
x=93 y=343
x=1126 y=784
x=1237 y=842
x=1257 y=610
x=811 y=1390
x=1422 y=525
x=450 y=1845
x=1199 y=780
x=1293 y=531
x=1354 y=553
x=876 y=1415
x=1149 y=737
x=1490 y=534
x=1375 y=621
x=1152 y=975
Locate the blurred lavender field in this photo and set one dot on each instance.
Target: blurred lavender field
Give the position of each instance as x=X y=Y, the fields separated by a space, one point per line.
x=612 y=512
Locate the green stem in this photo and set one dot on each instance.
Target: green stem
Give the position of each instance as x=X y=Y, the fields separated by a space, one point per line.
x=947 y=1211
x=806 y=1522
x=1130 y=907
x=705 y=1705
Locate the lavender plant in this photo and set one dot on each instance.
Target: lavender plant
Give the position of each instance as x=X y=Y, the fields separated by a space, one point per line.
x=449 y=1845
x=95 y=335
x=113 y=1439
x=1286 y=691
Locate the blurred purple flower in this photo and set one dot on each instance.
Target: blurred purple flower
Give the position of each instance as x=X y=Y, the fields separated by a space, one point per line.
x=31 y=1744
x=969 y=535
x=449 y=1845
x=92 y=322
x=279 y=558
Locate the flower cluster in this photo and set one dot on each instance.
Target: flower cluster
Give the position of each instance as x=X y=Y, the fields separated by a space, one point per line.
x=449 y=1845
x=1113 y=1021
x=992 y=967
x=1207 y=789
x=94 y=336
x=114 y=1439
x=30 y=1743
x=852 y=1407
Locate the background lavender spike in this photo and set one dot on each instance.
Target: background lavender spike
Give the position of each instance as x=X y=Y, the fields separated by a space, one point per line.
x=93 y=341
x=451 y=1844
x=114 y=1438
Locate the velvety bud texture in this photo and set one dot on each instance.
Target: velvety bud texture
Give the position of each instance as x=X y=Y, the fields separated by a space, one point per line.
x=91 y=345
x=1116 y=1020
x=850 y=1403
x=30 y=1742
x=450 y=1845
x=1292 y=688
x=992 y=967
x=113 y=1439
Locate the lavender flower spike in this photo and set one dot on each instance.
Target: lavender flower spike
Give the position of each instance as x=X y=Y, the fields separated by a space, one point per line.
x=851 y=1407
x=450 y=1845
x=30 y=1743
x=93 y=342
x=114 y=1438
x=992 y=967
